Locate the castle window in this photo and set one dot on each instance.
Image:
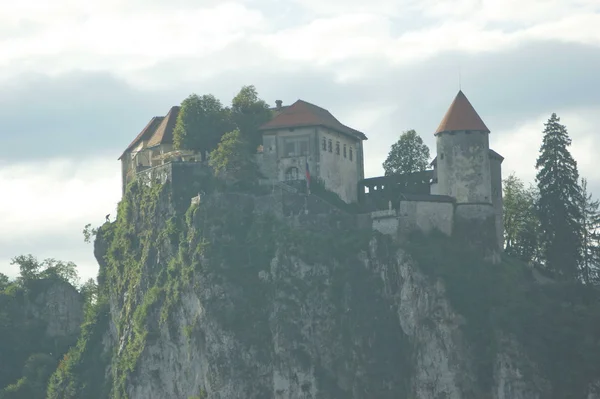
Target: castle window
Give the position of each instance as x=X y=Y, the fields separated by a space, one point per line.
x=324 y=144
x=441 y=156
x=344 y=150
x=337 y=148
x=329 y=146
x=350 y=153
x=295 y=147
x=291 y=173
x=268 y=144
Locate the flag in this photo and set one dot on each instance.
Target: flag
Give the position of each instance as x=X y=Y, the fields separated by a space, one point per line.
x=307 y=177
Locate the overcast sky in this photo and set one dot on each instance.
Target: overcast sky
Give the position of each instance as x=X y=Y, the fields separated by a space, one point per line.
x=80 y=79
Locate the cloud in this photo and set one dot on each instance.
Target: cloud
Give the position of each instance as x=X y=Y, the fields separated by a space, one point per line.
x=80 y=114
x=47 y=203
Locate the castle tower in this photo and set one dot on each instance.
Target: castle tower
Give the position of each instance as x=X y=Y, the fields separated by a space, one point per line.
x=464 y=173
x=463 y=165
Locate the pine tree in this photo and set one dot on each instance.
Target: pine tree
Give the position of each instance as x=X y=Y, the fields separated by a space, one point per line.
x=590 y=254
x=559 y=202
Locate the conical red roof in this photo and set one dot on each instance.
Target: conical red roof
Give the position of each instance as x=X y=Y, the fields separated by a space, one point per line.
x=461 y=116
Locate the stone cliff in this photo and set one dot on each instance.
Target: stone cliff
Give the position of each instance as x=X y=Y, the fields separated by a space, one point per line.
x=59 y=306
x=229 y=302
x=40 y=320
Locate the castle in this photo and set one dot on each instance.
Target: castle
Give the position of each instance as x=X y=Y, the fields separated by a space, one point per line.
x=461 y=193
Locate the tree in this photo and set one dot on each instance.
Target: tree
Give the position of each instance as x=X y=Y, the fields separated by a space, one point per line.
x=32 y=269
x=89 y=232
x=89 y=290
x=249 y=112
x=590 y=256
x=559 y=202
x=521 y=224
x=4 y=281
x=29 y=266
x=409 y=154
x=232 y=161
x=201 y=122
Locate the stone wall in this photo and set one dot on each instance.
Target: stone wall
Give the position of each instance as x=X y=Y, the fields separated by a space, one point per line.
x=385 y=222
x=426 y=215
x=421 y=213
x=497 y=201
x=340 y=173
x=475 y=224
x=463 y=166
x=187 y=180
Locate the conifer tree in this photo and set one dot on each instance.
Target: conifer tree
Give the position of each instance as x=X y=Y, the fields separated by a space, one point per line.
x=590 y=255
x=559 y=202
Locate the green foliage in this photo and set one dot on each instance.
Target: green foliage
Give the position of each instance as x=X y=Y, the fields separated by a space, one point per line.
x=32 y=269
x=559 y=202
x=28 y=356
x=409 y=154
x=89 y=291
x=521 y=222
x=249 y=112
x=201 y=122
x=590 y=257
x=80 y=373
x=89 y=232
x=554 y=323
x=232 y=161
x=202 y=395
x=37 y=370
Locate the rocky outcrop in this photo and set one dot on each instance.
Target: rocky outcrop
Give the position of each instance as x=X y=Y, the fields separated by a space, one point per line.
x=59 y=306
x=310 y=344
x=357 y=325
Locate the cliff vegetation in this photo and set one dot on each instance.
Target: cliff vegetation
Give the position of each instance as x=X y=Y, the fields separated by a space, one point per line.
x=40 y=315
x=324 y=301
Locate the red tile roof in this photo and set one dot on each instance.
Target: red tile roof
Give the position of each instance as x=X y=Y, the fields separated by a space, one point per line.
x=461 y=116
x=164 y=132
x=303 y=114
x=145 y=134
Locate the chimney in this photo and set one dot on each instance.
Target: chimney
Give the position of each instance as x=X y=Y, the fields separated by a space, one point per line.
x=278 y=103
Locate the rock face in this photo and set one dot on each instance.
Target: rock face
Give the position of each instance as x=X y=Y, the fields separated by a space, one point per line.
x=59 y=306
x=316 y=344
x=367 y=325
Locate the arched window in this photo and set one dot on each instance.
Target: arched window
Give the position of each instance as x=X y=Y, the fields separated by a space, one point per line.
x=291 y=173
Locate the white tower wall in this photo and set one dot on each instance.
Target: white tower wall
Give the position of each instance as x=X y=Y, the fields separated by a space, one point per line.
x=463 y=166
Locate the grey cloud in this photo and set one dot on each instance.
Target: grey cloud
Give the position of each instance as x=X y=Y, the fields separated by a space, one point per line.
x=75 y=114
x=507 y=87
x=85 y=113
